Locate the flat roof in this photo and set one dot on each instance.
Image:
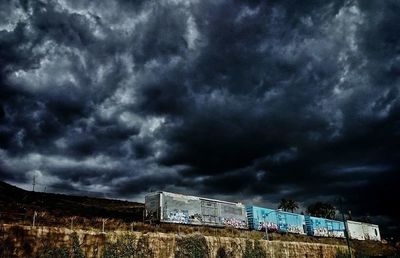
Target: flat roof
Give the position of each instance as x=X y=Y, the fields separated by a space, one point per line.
x=201 y=198
x=359 y=222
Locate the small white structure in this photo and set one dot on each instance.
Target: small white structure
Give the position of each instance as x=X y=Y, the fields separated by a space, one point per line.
x=363 y=231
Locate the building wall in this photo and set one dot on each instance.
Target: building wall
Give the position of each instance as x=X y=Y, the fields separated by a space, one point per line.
x=152 y=206
x=363 y=231
x=355 y=230
x=371 y=232
x=185 y=209
x=335 y=228
x=291 y=222
x=262 y=218
x=324 y=227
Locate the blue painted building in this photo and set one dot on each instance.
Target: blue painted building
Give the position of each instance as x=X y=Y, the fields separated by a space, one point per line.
x=324 y=227
x=279 y=221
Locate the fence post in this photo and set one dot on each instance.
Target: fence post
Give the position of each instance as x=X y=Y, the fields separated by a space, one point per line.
x=104 y=221
x=34 y=219
x=72 y=223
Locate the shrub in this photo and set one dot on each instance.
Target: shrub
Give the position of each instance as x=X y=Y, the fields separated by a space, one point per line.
x=255 y=251
x=124 y=247
x=221 y=253
x=192 y=247
x=342 y=254
x=143 y=249
x=76 y=247
x=7 y=247
x=55 y=252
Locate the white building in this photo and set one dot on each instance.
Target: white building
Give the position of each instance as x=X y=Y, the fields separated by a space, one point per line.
x=363 y=231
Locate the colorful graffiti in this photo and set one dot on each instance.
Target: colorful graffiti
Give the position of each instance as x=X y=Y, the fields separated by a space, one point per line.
x=179 y=216
x=320 y=231
x=272 y=227
x=337 y=233
x=233 y=222
x=295 y=229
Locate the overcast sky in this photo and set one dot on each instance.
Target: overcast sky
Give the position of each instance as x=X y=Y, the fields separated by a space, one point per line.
x=245 y=101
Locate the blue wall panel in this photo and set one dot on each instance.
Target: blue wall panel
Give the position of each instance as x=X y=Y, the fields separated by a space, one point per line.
x=324 y=227
x=260 y=218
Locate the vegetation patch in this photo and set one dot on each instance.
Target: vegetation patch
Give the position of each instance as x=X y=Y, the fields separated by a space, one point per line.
x=76 y=246
x=55 y=252
x=340 y=253
x=124 y=247
x=254 y=251
x=6 y=248
x=194 y=246
x=224 y=252
x=74 y=250
x=143 y=248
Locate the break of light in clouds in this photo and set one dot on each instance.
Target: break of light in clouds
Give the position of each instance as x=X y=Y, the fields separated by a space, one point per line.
x=243 y=100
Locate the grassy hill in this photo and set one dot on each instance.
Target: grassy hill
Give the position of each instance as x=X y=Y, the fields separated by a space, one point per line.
x=16 y=201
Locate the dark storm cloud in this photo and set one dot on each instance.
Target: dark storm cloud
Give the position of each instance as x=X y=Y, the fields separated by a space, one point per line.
x=251 y=100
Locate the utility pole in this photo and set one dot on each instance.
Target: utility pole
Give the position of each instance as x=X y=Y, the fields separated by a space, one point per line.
x=33 y=182
x=346 y=230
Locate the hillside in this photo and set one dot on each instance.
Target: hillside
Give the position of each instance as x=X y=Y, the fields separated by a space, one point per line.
x=14 y=200
x=17 y=207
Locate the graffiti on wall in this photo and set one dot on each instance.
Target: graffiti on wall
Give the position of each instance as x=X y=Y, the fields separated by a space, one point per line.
x=196 y=218
x=370 y=237
x=336 y=233
x=295 y=229
x=320 y=231
x=179 y=216
x=233 y=222
x=273 y=227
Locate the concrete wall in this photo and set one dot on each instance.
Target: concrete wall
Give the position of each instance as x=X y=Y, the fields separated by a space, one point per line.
x=363 y=231
x=371 y=232
x=25 y=241
x=186 y=209
x=355 y=230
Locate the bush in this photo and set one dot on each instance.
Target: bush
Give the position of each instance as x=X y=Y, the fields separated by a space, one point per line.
x=192 y=247
x=123 y=248
x=55 y=252
x=74 y=251
x=255 y=251
x=342 y=254
x=76 y=247
x=221 y=253
x=143 y=249
x=6 y=248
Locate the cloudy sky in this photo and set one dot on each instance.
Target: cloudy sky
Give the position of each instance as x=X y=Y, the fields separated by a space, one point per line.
x=241 y=100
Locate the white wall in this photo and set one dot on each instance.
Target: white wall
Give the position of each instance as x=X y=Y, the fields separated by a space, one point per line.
x=355 y=230
x=371 y=232
x=363 y=231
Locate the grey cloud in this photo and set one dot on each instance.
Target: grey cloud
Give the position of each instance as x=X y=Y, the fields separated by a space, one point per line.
x=237 y=99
